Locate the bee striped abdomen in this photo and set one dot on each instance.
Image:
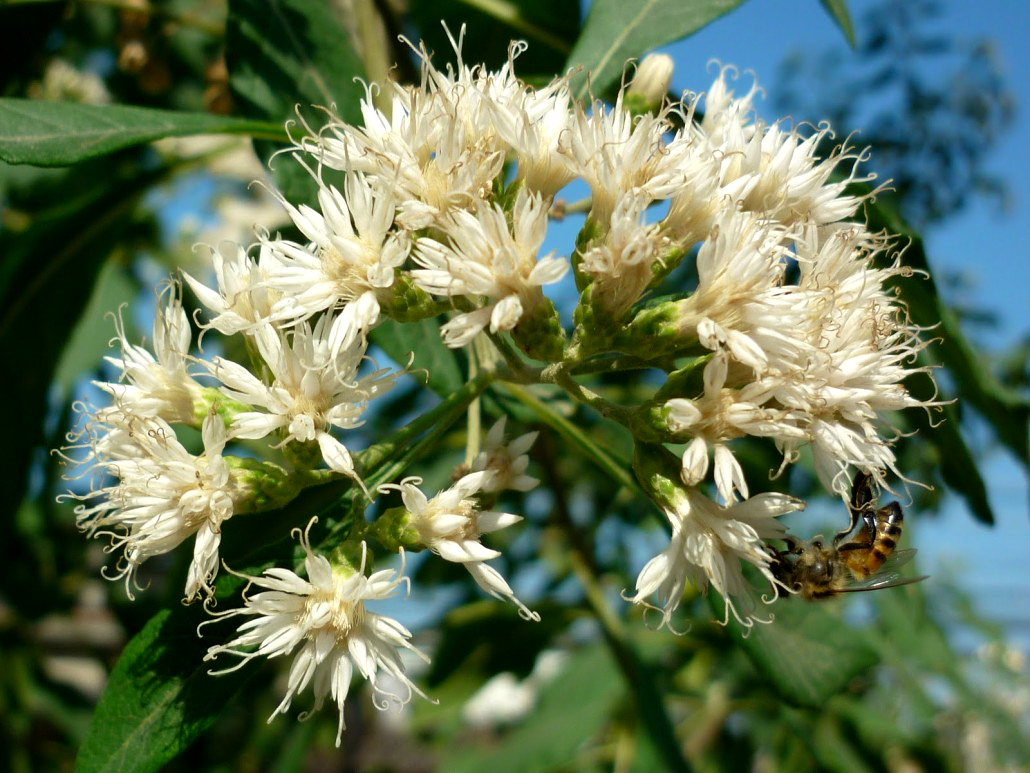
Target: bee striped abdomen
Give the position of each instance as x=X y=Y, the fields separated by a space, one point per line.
x=888 y=532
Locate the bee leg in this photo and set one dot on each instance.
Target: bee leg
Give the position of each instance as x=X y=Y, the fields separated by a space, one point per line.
x=860 y=507
x=794 y=545
x=856 y=515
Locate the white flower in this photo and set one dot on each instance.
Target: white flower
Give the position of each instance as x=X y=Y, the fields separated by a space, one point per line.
x=451 y=525
x=156 y=384
x=353 y=252
x=506 y=463
x=532 y=122
x=161 y=494
x=244 y=296
x=720 y=415
x=486 y=257
x=325 y=615
x=311 y=389
x=740 y=303
x=620 y=264
x=438 y=151
x=860 y=349
x=707 y=547
x=616 y=153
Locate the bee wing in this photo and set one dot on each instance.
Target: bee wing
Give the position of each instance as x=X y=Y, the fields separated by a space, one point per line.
x=895 y=561
x=879 y=581
x=887 y=576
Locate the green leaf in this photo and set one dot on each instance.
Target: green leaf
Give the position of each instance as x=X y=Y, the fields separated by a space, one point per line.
x=1007 y=412
x=958 y=465
x=64 y=133
x=90 y=338
x=286 y=56
x=806 y=653
x=569 y=712
x=838 y=10
x=402 y=340
x=158 y=697
x=617 y=30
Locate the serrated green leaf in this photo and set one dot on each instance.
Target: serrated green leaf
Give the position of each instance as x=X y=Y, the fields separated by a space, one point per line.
x=806 y=653
x=286 y=56
x=65 y=133
x=616 y=31
x=421 y=340
x=838 y=10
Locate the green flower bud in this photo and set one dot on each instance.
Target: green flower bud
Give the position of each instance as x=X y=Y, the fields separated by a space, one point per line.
x=404 y=301
x=650 y=84
x=539 y=332
x=261 y=485
x=394 y=531
x=213 y=400
x=658 y=471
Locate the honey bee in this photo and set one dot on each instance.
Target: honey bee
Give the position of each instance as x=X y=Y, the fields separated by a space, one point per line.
x=868 y=562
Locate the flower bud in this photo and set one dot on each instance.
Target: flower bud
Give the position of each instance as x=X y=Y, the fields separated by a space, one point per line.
x=261 y=485
x=394 y=531
x=650 y=84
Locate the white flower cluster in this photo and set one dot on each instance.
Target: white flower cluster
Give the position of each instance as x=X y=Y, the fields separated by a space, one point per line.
x=444 y=206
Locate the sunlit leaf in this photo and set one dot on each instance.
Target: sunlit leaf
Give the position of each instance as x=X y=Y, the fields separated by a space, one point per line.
x=158 y=697
x=64 y=133
x=617 y=30
x=838 y=10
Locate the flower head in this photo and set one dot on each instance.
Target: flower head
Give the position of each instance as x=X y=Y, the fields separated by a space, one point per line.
x=157 y=384
x=325 y=616
x=310 y=388
x=156 y=495
x=451 y=524
x=708 y=544
x=506 y=463
x=484 y=256
x=351 y=254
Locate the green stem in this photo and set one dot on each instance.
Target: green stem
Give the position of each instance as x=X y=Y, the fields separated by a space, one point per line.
x=638 y=677
x=618 y=471
x=558 y=374
x=521 y=371
x=374 y=457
